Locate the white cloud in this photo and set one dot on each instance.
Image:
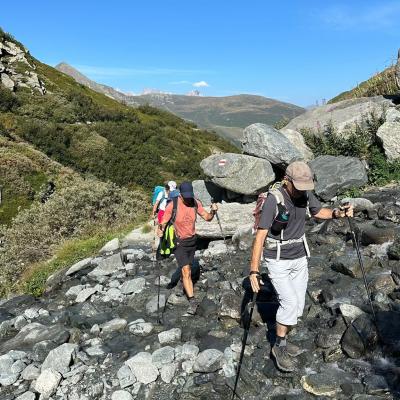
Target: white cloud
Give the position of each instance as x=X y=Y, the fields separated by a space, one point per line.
x=201 y=84
x=376 y=17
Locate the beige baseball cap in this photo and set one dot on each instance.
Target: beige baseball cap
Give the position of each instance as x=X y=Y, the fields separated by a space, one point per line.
x=301 y=175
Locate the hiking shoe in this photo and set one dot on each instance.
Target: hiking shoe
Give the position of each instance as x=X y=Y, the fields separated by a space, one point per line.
x=283 y=360
x=293 y=350
x=191 y=310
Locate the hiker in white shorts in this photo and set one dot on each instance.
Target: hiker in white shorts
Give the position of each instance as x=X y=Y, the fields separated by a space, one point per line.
x=281 y=229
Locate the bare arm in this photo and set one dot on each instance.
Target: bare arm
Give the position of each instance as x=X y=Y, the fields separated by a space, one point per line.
x=258 y=245
x=327 y=213
x=207 y=216
x=155 y=207
x=324 y=213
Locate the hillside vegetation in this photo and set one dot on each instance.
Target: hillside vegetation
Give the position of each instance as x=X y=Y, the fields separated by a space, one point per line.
x=382 y=83
x=100 y=157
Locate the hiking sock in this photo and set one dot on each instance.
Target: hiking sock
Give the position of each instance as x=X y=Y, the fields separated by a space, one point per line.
x=191 y=298
x=280 y=341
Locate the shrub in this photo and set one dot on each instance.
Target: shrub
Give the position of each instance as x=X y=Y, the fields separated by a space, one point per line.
x=359 y=141
x=81 y=207
x=8 y=100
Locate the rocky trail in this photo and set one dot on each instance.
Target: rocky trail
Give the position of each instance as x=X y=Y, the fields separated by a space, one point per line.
x=94 y=334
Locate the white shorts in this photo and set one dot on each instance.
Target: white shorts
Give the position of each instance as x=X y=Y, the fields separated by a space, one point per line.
x=289 y=278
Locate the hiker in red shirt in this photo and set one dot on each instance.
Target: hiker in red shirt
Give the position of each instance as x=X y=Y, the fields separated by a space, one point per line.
x=185 y=227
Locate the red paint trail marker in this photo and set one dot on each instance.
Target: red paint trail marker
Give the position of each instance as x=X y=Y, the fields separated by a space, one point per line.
x=222 y=162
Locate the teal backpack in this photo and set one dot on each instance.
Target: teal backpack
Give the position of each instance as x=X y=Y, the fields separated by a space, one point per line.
x=156 y=191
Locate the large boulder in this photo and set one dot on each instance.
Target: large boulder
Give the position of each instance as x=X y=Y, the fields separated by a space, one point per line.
x=264 y=141
x=335 y=174
x=205 y=191
x=389 y=134
x=238 y=173
x=232 y=217
x=341 y=115
x=297 y=140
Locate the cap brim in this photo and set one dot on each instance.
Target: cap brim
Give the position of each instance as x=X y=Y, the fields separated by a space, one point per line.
x=187 y=195
x=303 y=185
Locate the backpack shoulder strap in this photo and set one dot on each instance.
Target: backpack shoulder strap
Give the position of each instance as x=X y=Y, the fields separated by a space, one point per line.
x=278 y=197
x=174 y=209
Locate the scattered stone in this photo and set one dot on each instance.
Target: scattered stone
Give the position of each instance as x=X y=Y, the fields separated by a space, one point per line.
x=121 y=395
x=80 y=265
x=230 y=305
x=350 y=312
x=84 y=294
x=209 y=360
x=168 y=372
x=26 y=396
x=133 y=286
x=60 y=358
x=142 y=367
x=107 y=266
x=47 y=383
x=297 y=140
x=141 y=328
x=173 y=335
x=389 y=134
x=30 y=373
x=126 y=377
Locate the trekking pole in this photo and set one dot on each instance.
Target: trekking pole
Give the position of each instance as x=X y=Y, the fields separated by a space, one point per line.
x=356 y=244
x=223 y=236
x=157 y=264
x=244 y=341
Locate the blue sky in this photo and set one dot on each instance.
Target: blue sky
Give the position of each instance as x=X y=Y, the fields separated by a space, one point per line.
x=296 y=51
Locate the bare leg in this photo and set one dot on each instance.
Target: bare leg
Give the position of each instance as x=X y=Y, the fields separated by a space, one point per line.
x=281 y=330
x=187 y=281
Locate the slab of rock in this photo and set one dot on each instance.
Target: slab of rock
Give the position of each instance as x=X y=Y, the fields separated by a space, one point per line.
x=243 y=237
x=297 y=140
x=360 y=337
x=342 y=114
x=47 y=383
x=85 y=294
x=164 y=355
x=392 y=115
x=110 y=247
x=209 y=360
x=350 y=312
x=389 y=134
x=348 y=264
x=168 y=372
x=264 y=141
x=34 y=333
x=30 y=373
x=238 y=173
x=170 y=336
x=80 y=265
x=60 y=358
x=125 y=377
x=206 y=190
x=133 y=286
x=326 y=383
x=107 y=266
x=142 y=367
x=333 y=175
x=230 y=306
x=232 y=217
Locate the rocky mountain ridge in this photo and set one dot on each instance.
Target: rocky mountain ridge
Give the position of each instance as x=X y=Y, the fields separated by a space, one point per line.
x=226 y=115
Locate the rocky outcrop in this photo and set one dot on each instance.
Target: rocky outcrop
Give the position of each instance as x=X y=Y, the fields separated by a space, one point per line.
x=238 y=173
x=297 y=140
x=16 y=70
x=207 y=192
x=232 y=217
x=264 y=141
x=341 y=114
x=336 y=174
x=389 y=134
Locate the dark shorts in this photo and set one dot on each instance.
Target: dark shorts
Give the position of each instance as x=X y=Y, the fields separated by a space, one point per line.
x=185 y=249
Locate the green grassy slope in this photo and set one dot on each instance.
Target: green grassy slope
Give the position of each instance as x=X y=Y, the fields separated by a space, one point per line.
x=383 y=83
